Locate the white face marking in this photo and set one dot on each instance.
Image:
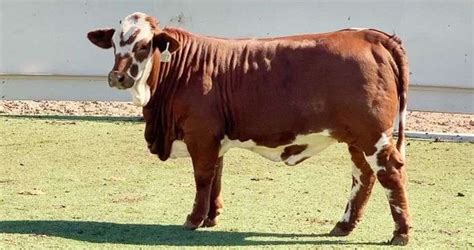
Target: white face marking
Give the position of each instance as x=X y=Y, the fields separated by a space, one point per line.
x=129 y=25
x=356 y=173
x=316 y=143
x=372 y=159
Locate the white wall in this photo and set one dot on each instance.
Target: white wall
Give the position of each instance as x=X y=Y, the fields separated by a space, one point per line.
x=49 y=37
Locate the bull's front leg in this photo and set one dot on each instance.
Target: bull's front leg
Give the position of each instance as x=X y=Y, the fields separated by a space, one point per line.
x=216 y=202
x=204 y=154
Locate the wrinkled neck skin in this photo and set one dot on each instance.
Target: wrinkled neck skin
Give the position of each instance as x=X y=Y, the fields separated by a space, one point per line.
x=162 y=83
x=162 y=77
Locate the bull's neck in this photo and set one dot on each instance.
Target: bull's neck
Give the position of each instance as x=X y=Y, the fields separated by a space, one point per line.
x=170 y=73
x=199 y=58
x=164 y=81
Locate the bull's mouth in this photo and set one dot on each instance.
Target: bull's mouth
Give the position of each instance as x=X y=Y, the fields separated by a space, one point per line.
x=124 y=86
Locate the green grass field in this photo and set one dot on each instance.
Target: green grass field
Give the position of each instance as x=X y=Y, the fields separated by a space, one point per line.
x=91 y=183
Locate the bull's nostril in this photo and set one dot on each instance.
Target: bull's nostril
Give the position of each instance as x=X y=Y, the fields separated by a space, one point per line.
x=120 y=77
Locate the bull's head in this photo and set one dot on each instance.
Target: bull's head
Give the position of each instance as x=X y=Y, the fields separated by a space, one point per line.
x=136 y=41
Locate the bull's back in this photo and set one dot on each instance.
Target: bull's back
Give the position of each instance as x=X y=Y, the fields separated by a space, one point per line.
x=314 y=83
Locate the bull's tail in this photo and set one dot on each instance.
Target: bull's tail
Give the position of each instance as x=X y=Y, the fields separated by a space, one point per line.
x=401 y=60
x=393 y=44
x=402 y=102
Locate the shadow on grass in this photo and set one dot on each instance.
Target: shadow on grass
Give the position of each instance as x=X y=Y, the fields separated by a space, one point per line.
x=168 y=235
x=77 y=118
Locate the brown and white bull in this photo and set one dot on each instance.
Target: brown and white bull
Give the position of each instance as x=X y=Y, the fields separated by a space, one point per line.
x=285 y=98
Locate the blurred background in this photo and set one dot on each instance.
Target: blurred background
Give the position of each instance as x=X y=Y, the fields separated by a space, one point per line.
x=44 y=53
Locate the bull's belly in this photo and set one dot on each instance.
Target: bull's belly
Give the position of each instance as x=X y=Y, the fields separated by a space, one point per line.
x=303 y=147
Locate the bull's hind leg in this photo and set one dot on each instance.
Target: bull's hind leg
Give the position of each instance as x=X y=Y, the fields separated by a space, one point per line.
x=217 y=204
x=363 y=179
x=389 y=166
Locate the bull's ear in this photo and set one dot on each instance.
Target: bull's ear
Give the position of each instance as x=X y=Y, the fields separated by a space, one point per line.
x=161 y=39
x=101 y=38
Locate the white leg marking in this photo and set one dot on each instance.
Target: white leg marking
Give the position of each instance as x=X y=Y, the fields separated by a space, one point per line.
x=403 y=118
x=388 y=193
x=397 y=209
x=372 y=159
x=347 y=214
x=356 y=173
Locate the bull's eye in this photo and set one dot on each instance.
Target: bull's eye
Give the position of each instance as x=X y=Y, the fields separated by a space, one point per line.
x=143 y=48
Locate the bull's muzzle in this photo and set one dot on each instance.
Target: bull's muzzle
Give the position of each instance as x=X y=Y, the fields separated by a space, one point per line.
x=120 y=80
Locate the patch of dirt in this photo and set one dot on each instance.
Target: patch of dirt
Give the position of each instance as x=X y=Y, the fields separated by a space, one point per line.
x=34 y=191
x=320 y=222
x=115 y=178
x=73 y=108
x=416 y=121
x=440 y=122
x=261 y=179
x=449 y=232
